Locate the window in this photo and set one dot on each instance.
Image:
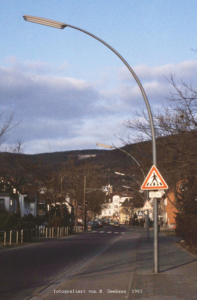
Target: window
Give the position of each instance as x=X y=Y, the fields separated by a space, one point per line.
x=2 y=204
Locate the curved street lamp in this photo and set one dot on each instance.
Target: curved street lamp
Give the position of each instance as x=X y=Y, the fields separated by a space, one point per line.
x=122 y=174
x=113 y=147
x=61 y=25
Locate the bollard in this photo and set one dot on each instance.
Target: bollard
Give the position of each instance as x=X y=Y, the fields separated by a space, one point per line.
x=46 y=232
x=4 y=238
x=10 y=237
x=52 y=232
x=21 y=236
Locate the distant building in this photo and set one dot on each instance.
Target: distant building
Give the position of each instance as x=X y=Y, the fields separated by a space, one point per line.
x=27 y=200
x=170 y=210
x=112 y=209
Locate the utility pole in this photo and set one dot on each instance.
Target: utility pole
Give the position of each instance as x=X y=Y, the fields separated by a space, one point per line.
x=84 y=204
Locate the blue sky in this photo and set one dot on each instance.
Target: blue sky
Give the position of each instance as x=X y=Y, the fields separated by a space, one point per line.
x=68 y=91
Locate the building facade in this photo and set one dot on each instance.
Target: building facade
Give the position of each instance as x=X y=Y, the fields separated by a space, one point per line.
x=113 y=209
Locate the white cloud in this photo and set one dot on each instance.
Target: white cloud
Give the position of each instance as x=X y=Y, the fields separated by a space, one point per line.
x=184 y=70
x=74 y=113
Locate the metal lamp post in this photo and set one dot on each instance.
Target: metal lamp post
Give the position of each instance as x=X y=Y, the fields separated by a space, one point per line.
x=113 y=147
x=122 y=150
x=84 y=203
x=61 y=25
x=122 y=174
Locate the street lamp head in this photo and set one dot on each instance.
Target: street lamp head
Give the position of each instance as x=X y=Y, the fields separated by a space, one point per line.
x=45 y=22
x=119 y=173
x=105 y=146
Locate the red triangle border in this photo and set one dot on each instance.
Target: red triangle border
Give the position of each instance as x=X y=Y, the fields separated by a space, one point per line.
x=154 y=169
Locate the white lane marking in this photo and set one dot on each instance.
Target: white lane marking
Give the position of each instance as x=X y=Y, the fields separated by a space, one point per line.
x=122 y=232
x=116 y=232
x=109 y=232
x=102 y=231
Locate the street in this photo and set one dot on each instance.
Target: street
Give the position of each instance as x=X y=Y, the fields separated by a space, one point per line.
x=27 y=270
x=106 y=263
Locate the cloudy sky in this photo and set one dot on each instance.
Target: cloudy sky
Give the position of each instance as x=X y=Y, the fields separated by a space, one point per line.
x=69 y=91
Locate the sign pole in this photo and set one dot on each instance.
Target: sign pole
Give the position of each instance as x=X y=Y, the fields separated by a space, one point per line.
x=156 y=237
x=147 y=223
x=154 y=181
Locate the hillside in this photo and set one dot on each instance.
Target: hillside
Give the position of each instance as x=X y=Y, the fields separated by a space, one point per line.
x=107 y=161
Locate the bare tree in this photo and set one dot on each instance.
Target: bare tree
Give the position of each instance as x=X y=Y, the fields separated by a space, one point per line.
x=176 y=133
x=7 y=124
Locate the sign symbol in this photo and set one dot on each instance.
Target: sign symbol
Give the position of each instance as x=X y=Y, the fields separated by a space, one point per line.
x=154 y=181
x=147 y=206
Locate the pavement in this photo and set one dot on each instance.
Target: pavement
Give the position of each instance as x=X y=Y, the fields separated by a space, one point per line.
x=177 y=271
x=125 y=270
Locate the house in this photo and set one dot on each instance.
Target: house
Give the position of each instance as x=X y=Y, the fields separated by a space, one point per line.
x=166 y=210
x=28 y=201
x=47 y=204
x=8 y=200
x=112 y=209
x=169 y=210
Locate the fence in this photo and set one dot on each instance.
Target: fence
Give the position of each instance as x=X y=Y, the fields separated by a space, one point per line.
x=26 y=235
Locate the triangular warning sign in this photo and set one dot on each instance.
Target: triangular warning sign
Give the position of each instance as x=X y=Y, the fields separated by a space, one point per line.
x=147 y=206
x=140 y=213
x=154 y=181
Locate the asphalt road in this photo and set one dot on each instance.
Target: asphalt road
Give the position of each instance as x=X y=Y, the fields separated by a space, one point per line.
x=26 y=271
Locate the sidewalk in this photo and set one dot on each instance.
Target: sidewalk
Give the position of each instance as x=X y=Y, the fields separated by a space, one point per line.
x=126 y=269
x=177 y=278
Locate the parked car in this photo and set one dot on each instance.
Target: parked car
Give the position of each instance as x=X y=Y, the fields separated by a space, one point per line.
x=44 y=224
x=95 y=224
x=100 y=224
x=89 y=223
x=111 y=223
x=116 y=224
